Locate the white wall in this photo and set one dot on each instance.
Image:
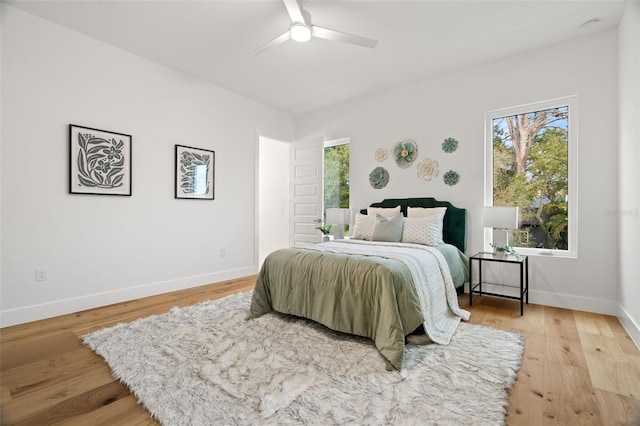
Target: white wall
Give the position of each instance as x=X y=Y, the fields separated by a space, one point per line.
x=105 y=249
x=273 y=188
x=453 y=105
x=629 y=175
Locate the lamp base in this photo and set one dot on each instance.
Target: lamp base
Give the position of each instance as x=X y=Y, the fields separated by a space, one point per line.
x=338 y=232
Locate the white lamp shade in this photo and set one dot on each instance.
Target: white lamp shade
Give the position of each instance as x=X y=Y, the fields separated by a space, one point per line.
x=501 y=217
x=337 y=216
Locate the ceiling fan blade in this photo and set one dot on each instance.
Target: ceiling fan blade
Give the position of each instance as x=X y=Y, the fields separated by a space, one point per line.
x=333 y=35
x=276 y=41
x=295 y=12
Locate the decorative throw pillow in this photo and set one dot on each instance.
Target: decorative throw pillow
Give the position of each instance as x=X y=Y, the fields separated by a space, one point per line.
x=363 y=227
x=386 y=212
x=422 y=230
x=439 y=212
x=425 y=211
x=389 y=230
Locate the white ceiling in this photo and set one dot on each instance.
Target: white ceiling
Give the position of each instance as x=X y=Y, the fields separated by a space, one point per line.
x=213 y=39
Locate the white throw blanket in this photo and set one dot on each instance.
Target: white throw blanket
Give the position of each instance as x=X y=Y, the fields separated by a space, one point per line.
x=431 y=280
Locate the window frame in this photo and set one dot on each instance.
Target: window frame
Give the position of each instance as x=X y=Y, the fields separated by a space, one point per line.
x=330 y=144
x=572 y=174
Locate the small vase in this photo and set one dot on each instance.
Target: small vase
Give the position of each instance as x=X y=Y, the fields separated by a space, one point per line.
x=325 y=238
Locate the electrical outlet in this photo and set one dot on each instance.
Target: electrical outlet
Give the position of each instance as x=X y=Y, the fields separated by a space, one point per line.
x=42 y=274
x=223 y=252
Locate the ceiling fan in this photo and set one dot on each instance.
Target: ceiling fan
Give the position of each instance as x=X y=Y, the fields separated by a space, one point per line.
x=302 y=30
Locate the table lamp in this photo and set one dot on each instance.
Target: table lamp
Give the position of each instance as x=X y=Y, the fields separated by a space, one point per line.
x=338 y=218
x=501 y=219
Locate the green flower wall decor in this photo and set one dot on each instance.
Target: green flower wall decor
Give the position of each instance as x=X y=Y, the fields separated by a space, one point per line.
x=379 y=177
x=449 y=145
x=405 y=153
x=451 y=178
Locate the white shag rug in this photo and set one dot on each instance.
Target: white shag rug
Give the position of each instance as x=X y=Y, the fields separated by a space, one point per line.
x=207 y=365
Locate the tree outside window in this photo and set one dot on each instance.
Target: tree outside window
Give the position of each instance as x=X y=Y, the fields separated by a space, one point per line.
x=336 y=176
x=530 y=162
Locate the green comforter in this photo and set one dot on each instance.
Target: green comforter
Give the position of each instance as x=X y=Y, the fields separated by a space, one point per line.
x=365 y=295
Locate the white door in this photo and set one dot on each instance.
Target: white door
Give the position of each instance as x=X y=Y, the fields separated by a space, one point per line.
x=273 y=195
x=305 y=193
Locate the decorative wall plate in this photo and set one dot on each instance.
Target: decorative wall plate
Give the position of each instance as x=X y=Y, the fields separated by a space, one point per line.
x=449 y=145
x=451 y=178
x=379 y=178
x=405 y=153
x=427 y=169
x=381 y=154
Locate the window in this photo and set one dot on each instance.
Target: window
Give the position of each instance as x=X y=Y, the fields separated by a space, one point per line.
x=336 y=174
x=531 y=163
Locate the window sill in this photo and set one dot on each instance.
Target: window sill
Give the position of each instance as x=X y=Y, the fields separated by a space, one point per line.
x=565 y=254
x=536 y=252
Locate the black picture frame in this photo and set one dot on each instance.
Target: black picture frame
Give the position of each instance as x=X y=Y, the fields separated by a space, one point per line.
x=99 y=161
x=194 y=173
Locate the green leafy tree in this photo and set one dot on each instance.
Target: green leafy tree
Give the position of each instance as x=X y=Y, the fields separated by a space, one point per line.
x=336 y=176
x=556 y=225
x=531 y=172
x=509 y=187
x=549 y=174
x=524 y=128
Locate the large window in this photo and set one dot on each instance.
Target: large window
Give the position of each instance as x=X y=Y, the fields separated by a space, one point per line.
x=336 y=174
x=531 y=163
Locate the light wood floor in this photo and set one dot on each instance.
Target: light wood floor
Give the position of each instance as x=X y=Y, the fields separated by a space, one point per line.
x=578 y=368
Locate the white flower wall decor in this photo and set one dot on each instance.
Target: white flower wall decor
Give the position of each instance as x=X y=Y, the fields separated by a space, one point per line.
x=427 y=169
x=381 y=154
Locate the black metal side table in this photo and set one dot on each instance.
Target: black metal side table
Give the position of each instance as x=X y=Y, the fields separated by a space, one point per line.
x=481 y=257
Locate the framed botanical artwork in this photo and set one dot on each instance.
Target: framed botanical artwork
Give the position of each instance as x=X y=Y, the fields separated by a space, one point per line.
x=194 y=173
x=99 y=162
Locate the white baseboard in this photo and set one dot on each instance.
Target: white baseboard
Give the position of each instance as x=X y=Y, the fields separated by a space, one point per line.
x=66 y=306
x=577 y=303
x=632 y=327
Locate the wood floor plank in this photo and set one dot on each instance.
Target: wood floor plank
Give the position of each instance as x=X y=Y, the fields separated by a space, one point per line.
x=618 y=410
x=86 y=402
x=121 y=412
x=560 y=322
x=17 y=353
x=24 y=377
x=568 y=396
x=599 y=344
x=590 y=323
x=578 y=368
x=615 y=373
x=36 y=401
x=624 y=340
x=527 y=397
x=5 y=393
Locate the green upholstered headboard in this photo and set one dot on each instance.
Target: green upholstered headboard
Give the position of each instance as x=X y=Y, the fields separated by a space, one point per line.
x=454 y=230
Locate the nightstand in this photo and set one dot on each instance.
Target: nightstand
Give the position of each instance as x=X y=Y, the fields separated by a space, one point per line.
x=523 y=261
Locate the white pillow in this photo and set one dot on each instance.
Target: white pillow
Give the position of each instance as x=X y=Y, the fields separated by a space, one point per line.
x=388 y=229
x=439 y=212
x=363 y=228
x=426 y=211
x=423 y=230
x=386 y=212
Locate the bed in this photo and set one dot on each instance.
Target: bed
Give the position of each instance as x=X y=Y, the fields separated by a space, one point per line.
x=373 y=285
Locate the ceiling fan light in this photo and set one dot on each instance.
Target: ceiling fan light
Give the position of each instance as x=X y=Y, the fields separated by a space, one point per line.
x=300 y=32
